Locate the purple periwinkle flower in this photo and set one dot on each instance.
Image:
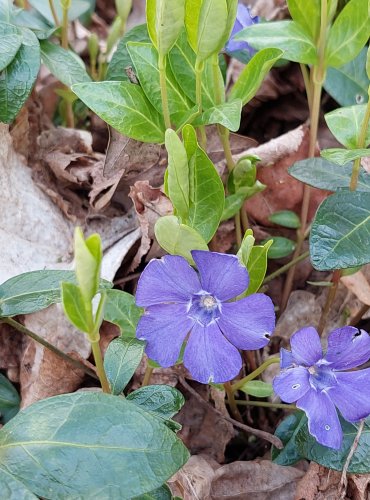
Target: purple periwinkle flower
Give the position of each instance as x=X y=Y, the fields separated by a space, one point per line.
x=243 y=19
x=181 y=303
x=318 y=383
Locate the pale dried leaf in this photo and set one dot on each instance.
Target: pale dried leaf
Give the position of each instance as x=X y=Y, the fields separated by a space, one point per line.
x=359 y=285
x=193 y=481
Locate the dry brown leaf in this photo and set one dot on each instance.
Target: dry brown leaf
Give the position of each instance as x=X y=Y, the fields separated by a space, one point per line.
x=254 y=480
x=269 y=9
x=319 y=483
x=193 y=481
x=359 y=486
x=11 y=345
x=359 y=285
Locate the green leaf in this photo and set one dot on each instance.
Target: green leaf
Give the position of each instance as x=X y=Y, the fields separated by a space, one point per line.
x=74 y=306
x=65 y=65
x=182 y=62
x=121 y=359
x=286 y=218
x=349 y=84
x=162 y=493
x=368 y=63
x=207 y=195
x=10 y=41
x=287 y=432
x=335 y=459
x=348 y=34
x=287 y=36
x=257 y=388
x=99 y=435
x=307 y=16
x=18 y=78
x=213 y=13
x=165 y=19
x=340 y=234
x=246 y=247
x=250 y=79
x=234 y=202
x=120 y=309
x=281 y=247
x=145 y=59
x=227 y=114
x=6 y=10
x=177 y=238
x=161 y=400
x=77 y=9
x=121 y=58
x=9 y=400
x=33 y=291
x=345 y=124
x=324 y=174
x=88 y=257
x=343 y=156
x=178 y=175
x=243 y=174
x=125 y=107
x=13 y=489
x=257 y=266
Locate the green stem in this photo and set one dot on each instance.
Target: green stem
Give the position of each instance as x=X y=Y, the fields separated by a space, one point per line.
x=237 y=385
x=329 y=300
x=360 y=144
x=147 y=375
x=70 y=119
x=231 y=402
x=238 y=230
x=265 y=404
x=53 y=12
x=199 y=67
x=164 y=95
x=100 y=366
x=40 y=340
x=307 y=84
x=285 y=268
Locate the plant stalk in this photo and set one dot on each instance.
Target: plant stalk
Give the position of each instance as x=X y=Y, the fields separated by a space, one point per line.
x=164 y=95
x=329 y=300
x=360 y=144
x=199 y=67
x=70 y=119
x=147 y=375
x=231 y=401
x=265 y=404
x=285 y=268
x=237 y=385
x=53 y=12
x=100 y=366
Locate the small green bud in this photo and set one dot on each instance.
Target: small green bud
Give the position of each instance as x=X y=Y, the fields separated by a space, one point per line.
x=123 y=8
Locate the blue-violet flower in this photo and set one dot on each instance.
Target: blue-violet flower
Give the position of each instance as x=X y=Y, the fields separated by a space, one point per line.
x=318 y=383
x=179 y=301
x=243 y=19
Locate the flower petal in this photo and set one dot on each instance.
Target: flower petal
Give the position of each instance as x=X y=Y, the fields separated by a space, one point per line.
x=169 y=279
x=165 y=328
x=323 y=421
x=249 y=322
x=292 y=384
x=221 y=274
x=348 y=347
x=306 y=346
x=286 y=359
x=352 y=394
x=210 y=357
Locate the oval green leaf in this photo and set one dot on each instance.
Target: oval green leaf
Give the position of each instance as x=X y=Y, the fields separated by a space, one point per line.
x=286 y=218
x=345 y=124
x=120 y=309
x=162 y=400
x=9 y=400
x=165 y=19
x=10 y=41
x=12 y=489
x=281 y=247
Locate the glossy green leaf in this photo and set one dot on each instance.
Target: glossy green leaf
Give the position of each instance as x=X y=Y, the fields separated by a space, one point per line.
x=6 y=10
x=13 y=489
x=340 y=234
x=125 y=107
x=162 y=493
x=67 y=66
x=162 y=400
x=281 y=247
x=246 y=247
x=306 y=15
x=213 y=13
x=182 y=62
x=345 y=124
x=121 y=359
x=120 y=309
x=286 y=218
x=349 y=33
x=74 y=306
x=287 y=36
x=207 y=196
x=178 y=175
x=257 y=388
x=94 y=434
x=177 y=238
x=234 y=202
x=77 y=9
x=324 y=174
x=9 y=400
x=250 y=79
x=287 y=432
x=10 y=41
x=343 y=156
x=257 y=266
x=18 y=78
x=145 y=60
x=227 y=114
x=349 y=84
x=243 y=174
x=165 y=19
x=33 y=291
x=335 y=459
x=121 y=58
x=88 y=256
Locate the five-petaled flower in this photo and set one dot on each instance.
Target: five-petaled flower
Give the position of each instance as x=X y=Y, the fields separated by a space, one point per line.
x=179 y=302
x=243 y=19
x=318 y=383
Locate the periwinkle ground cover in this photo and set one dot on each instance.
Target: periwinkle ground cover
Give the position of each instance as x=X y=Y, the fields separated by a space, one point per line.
x=195 y=306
